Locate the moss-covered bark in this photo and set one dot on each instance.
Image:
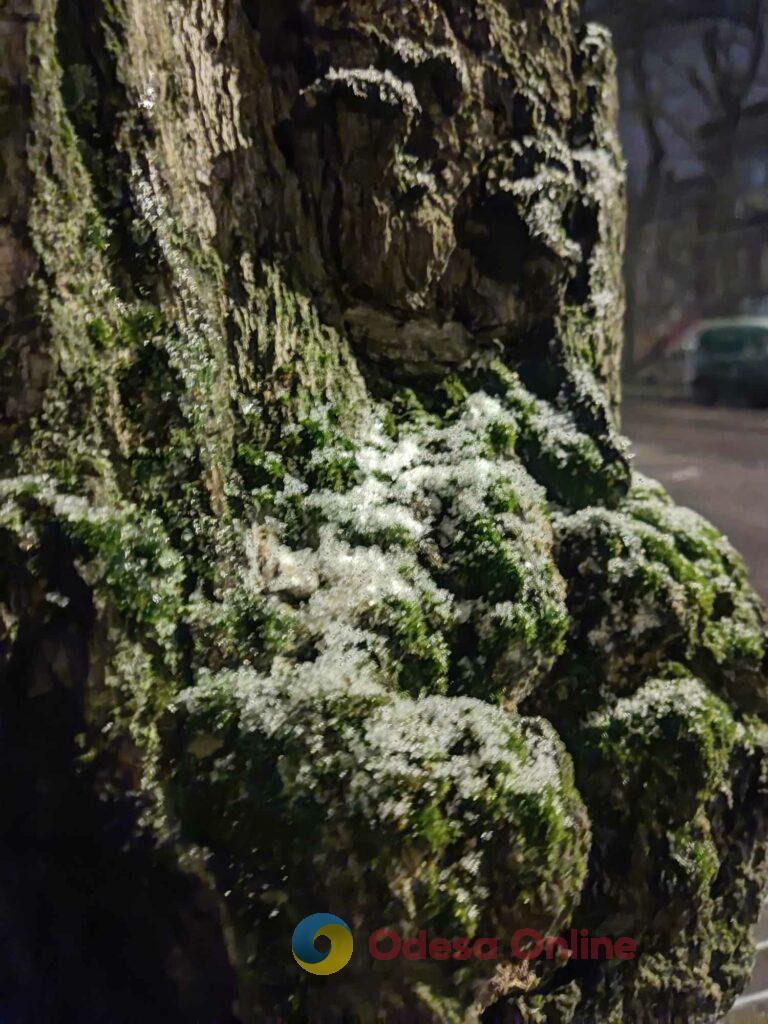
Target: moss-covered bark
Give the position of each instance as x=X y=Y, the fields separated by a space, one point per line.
x=316 y=516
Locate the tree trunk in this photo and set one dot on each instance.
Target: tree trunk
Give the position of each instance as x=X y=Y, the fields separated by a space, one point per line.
x=327 y=584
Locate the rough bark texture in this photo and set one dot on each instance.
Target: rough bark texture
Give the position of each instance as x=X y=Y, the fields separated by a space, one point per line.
x=326 y=580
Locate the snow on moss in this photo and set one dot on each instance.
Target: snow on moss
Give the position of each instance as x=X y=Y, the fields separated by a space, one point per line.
x=424 y=541
x=660 y=770
x=570 y=444
x=436 y=790
x=649 y=581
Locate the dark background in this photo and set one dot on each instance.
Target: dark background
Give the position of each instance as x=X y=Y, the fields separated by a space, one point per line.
x=694 y=123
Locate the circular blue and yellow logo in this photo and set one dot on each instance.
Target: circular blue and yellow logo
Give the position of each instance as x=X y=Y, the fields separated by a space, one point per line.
x=309 y=957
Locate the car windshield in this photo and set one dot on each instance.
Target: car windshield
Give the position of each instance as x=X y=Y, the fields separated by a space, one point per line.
x=730 y=341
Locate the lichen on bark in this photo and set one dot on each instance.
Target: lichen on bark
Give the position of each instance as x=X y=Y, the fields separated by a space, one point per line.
x=311 y=451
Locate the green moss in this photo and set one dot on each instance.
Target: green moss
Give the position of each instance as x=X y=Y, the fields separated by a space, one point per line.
x=241 y=629
x=733 y=643
x=418 y=783
x=648 y=583
x=693 y=850
x=659 y=754
x=502 y=437
x=454 y=390
x=125 y=551
x=487 y=563
x=259 y=468
x=660 y=772
x=575 y=453
x=99 y=333
x=418 y=654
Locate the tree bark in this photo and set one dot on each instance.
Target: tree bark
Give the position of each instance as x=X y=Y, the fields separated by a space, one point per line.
x=326 y=576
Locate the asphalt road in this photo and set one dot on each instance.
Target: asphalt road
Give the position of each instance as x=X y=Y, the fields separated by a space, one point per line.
x=712 y=460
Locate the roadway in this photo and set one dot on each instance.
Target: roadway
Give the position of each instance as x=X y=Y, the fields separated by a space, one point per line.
x=712 y=460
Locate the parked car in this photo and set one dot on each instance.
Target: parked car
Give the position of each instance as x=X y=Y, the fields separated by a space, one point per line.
x=723 y=359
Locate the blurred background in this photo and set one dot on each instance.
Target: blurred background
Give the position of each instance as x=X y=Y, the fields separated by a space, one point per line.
x=693 y=77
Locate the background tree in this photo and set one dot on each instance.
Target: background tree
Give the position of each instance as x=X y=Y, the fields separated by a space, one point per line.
x=326 y=581
x=691 y=75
